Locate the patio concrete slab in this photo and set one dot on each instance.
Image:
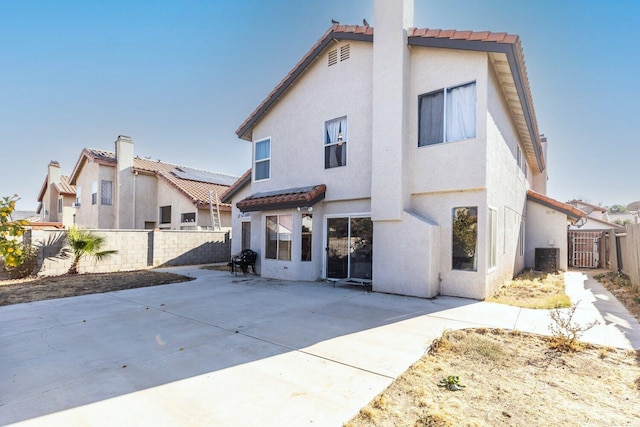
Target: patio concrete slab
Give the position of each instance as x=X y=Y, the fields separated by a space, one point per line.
x=225 y=350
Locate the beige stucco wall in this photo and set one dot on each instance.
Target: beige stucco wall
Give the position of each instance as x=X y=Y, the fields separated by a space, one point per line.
x=94 y=215
x=480 y=172
x=297 y=127
x=506 y=185
x=453 y=165
x=146 y=200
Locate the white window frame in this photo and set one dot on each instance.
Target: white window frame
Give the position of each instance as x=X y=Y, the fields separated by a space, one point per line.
x=521 y=238
x=266 y=159
x=103 y=201
x=445 y=92
x=278 y=239
x=492 y=239
x=78 y=196
x=343 y=138
x=94 y=192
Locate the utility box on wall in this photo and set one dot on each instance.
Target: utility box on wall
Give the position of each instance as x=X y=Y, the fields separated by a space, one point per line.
x=547 y=259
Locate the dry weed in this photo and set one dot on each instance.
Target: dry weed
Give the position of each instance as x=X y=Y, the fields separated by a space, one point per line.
x=533 y=290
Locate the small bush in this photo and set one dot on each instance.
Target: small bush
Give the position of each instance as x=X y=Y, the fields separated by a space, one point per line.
x=566 y=333
x=28 y=265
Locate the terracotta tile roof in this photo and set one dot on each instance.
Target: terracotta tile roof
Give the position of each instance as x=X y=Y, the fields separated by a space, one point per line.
x=570 y=211
x=196 y=191
x=241 y=182
x=41 y=225
x=283 y=199
x=64 y=187
x=502 y=43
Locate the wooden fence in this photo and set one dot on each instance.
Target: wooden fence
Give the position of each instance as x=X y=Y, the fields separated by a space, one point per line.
x=629 y=257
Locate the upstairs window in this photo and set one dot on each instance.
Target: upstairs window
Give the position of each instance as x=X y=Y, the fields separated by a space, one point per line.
x=447 y=115
x=106 y=193
x=78 y=195
x=60 y=205
x=165 y=214
x=188 y=217
x=335 y=143
x=94 y=192
x=262 y=160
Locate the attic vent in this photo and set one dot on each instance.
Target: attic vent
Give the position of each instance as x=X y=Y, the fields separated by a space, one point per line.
x=344 y=52
x=333 y=57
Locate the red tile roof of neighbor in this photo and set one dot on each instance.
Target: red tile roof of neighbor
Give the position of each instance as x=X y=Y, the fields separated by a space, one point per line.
x=196 y=191
x=565 y=208
x=283 y=199
x=241 y=182
x=485 y=41
x=64 y=187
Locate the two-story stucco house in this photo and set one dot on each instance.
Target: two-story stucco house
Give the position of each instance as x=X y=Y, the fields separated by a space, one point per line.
x=408 y=158
x=56 y=197
x=117 y=190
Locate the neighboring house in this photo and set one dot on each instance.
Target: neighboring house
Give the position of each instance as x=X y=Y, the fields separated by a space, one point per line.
x=402 y=161
x=30 y=216
x=596 y=218
x=56 y=197
x=594 y=211
x=117 y=190
x=627 y=218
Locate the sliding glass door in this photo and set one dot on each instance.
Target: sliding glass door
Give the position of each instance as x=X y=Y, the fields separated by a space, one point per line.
x=349 y=248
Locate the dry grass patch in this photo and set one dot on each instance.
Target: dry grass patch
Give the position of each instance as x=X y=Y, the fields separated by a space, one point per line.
x=510 y=379
x=68 y=285
x=534 y=290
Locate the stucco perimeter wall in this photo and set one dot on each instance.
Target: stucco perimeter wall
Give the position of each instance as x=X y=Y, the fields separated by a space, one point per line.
x=546 y=228
x=406 y=256
x=137 y=249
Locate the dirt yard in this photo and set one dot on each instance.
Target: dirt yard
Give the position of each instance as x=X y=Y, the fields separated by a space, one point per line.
x=42 y=288
x=510 y=379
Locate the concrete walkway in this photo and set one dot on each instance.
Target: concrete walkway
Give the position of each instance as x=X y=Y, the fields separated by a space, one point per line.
x=236 y=351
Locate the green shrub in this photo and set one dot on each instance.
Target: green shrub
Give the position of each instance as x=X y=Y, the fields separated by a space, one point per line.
x=28 y=265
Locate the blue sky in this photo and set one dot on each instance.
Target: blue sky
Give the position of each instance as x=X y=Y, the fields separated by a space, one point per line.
x=180 y=76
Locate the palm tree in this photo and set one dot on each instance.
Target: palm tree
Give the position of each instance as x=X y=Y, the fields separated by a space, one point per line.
x=83 y=243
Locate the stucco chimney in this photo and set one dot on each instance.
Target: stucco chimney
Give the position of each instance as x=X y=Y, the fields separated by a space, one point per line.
x=124 y=187
x=124 y=152
x=391 y=73
x=53 y=172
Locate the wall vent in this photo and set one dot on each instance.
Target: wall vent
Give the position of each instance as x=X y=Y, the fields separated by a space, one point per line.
x=333 y=57
x=344 y=52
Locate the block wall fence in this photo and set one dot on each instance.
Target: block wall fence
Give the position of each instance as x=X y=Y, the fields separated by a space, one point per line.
x=137 y=250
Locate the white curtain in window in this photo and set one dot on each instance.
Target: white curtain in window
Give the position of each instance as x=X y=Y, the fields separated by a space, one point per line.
x=336 y=152
x=461 y=112
x=333 y=129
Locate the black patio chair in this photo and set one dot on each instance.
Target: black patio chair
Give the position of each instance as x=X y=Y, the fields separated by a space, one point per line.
x=242 y=262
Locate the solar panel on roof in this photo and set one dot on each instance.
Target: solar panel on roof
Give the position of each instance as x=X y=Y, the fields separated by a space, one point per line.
x=203 y=176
